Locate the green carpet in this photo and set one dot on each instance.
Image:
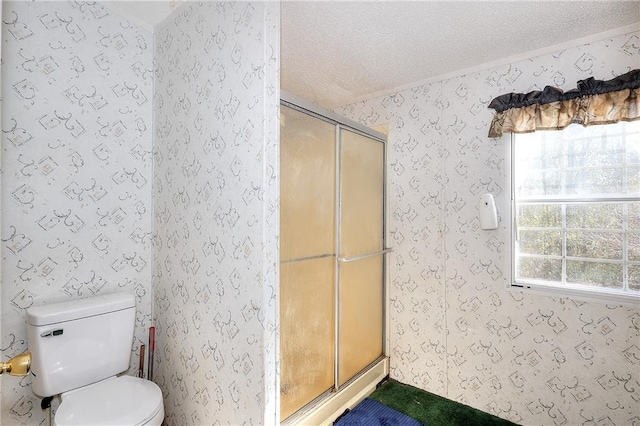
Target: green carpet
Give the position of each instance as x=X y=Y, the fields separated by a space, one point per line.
x=431 y=409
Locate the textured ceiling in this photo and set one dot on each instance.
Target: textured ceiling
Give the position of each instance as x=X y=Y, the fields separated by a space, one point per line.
x=336 y=51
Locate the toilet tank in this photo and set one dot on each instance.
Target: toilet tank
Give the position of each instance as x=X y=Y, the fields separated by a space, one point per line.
x=79 y=342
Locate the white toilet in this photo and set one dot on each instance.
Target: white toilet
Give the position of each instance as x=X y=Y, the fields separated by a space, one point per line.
x=77 y=349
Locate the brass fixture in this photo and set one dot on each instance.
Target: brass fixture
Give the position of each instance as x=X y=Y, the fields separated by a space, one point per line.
x=19 y=365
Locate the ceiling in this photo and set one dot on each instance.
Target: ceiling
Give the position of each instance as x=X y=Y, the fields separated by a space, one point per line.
x=334 y=52
x=352 y=49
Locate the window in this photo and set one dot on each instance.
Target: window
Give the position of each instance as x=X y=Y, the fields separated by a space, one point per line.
x=576 y=210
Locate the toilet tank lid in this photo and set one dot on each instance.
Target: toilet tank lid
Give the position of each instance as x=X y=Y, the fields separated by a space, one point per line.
x=78 y=308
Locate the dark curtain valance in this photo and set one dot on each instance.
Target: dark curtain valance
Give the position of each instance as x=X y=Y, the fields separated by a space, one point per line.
x=592 y=102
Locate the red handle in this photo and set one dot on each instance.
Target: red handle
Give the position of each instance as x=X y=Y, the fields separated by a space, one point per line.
x=152 y=338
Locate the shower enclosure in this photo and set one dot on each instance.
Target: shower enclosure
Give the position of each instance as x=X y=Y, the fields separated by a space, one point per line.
x=332 y=256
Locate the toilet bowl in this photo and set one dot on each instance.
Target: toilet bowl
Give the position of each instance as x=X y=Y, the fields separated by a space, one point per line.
x=121 y=400
x=78 y=349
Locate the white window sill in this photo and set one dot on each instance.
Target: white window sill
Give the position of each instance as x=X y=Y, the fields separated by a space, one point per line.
x=608 y=297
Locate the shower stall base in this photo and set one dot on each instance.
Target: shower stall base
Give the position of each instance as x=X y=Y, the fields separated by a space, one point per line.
x=328 y=407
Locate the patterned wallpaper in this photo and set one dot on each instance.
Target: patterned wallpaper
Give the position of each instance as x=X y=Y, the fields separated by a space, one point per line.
x=76 y=169
x=78 y=193
x=1 y=203
x=216 y=217
x=455 y=328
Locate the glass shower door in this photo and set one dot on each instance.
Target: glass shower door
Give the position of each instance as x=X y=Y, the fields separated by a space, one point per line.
x=360 y=262
x=307 y=258
x=331 y=256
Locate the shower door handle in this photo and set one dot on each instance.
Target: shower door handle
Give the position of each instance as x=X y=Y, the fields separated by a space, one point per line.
x=364 y=256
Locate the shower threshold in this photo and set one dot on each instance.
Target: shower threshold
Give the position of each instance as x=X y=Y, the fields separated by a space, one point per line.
x=325 y=409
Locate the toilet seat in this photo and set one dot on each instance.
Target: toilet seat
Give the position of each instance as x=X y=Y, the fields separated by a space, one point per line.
x=123 y=400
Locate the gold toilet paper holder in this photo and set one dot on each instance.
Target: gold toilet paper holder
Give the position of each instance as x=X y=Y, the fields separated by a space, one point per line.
x=19 y=365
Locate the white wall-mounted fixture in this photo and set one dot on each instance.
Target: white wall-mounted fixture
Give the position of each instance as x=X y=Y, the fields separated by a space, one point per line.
x=488 y=214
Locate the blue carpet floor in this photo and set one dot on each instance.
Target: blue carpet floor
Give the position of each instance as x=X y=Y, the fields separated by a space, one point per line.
x=372 y=413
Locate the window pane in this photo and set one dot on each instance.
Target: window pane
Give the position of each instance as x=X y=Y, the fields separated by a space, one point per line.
x=595 y=216
x=633 y=247
x=540 y=242
x=542 y=150
x=633 y=180
x=595 y=150
x=540 y=159
x=540 y=215
x=595 y=273
x=634 y=217
x=634 y=277
x=594 y=245
x=633 y=142
x=595 y=180
x=540 y=269
x=536 y=183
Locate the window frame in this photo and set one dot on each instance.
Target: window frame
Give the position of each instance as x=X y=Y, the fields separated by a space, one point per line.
x=576 y=291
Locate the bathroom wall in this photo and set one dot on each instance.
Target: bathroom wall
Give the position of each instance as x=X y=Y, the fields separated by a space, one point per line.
x=76 y=169
x=455 y=328
x=216 y=217
x=1 y=334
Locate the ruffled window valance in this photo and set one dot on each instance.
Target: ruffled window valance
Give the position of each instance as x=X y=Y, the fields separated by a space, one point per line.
x=592 y=102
